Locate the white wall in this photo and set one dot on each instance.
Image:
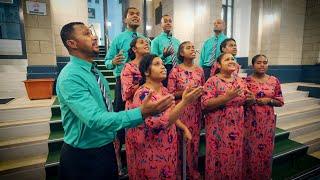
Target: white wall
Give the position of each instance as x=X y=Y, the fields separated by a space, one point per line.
x=183 y=23
x=64 y=12
x=241 y=26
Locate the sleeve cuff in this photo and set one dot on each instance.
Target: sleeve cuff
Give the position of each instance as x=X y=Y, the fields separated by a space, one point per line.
x=109 y=64
x=135 y=116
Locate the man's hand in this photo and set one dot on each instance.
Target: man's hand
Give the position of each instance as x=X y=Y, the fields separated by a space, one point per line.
x=118 y=59
x=148 y=107
x=167 y=51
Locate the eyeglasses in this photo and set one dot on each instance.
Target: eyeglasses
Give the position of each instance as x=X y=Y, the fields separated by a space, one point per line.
x=92 y=30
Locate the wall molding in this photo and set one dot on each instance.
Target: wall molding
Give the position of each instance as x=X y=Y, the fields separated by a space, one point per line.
x=243 y=61
x=293 y=73
x=41 y=71
x=61 y=62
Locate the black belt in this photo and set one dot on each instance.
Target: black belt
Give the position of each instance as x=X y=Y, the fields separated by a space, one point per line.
x=206 y=66
x=107 y=146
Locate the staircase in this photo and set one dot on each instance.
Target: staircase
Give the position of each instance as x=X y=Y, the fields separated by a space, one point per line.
x=24 y=126
x=301 y=116
x=108 y=74
x=55 y=142
x=24 y=132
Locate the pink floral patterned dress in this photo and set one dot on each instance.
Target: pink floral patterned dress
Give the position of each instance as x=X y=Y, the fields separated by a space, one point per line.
x=224 y=131
x=155 y=144
x=180 y=79
x=260 y=129
x=130 y=77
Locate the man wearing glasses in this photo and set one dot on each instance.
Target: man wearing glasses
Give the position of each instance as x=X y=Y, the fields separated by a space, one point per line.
x=89 y=124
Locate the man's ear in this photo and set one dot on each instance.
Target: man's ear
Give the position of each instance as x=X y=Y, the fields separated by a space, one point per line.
x=125 y=20
x=72 y=44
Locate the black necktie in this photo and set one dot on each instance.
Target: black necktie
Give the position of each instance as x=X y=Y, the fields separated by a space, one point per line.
x=134 y=35
x=106 y=98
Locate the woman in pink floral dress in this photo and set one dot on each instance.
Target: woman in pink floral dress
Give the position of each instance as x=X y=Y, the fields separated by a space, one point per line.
x=182 y=76
x=223 y=100
x=130 y=78
x=260 y=120
x=155 y=144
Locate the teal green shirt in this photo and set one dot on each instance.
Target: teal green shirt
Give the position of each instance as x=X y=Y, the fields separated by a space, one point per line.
x=85 y=118
x=121 y=42
x=161 y=42
x=207 y=47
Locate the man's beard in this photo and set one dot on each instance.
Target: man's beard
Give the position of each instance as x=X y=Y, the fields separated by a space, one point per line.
x=135 y=27
x=217 y=31
x=93 y=53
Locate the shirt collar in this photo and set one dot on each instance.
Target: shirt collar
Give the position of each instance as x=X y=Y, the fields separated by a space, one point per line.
x=130 y=32
x=165 y=34
x=220 y=35
x=81 y=62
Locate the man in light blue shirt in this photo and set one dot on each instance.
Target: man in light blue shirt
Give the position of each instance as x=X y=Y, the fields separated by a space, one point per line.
x=166 y=46
x=115 y=59
x=117 y=54
x=89 y=124
x=211 y=48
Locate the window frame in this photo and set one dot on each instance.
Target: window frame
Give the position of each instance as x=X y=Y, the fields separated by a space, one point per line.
x=23 y=39
x=224 y=9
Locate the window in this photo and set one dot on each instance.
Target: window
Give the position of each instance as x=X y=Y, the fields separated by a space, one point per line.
x=10 y=21
x=227 y=16
x=91 y=13
x=12 y=39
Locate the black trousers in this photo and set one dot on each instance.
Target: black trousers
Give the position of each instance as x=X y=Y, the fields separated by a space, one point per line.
x=119 y=105
x=207 y=71
x=168 y=68
x=92 y=164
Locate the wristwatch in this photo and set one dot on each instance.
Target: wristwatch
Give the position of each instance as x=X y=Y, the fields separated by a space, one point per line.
x=271 y=102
